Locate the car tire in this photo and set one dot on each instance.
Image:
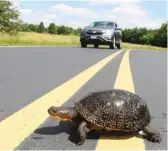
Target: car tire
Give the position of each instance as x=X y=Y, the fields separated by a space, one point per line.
x=96 y=45
x=83 y=45
x=112 y=45
x=118 y=46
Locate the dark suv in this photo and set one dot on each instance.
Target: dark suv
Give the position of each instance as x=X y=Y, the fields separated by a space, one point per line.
x=101 y=33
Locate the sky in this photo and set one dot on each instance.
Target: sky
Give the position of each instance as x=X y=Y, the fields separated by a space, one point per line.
x=80 y=13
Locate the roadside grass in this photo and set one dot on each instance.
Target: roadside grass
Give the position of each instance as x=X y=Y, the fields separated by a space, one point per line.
x=27 y=38
x=142 y=47
x=34 y=39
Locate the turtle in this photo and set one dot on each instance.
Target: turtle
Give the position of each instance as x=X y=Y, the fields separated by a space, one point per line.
x=108 y=110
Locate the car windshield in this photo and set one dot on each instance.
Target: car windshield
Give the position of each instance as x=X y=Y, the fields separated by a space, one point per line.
x=103 y=25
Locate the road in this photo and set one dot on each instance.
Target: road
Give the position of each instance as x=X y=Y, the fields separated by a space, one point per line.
x=34 y=78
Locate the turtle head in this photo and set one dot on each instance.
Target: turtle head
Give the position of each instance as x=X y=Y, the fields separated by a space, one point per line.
x=62 y=113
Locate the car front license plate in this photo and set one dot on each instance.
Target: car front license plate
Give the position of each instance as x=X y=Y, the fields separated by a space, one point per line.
x=93 y=37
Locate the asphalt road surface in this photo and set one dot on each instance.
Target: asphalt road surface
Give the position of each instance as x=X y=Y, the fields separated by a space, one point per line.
x=33 y=78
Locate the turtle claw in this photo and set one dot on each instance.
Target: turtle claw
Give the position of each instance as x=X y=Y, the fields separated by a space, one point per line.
x=153 y=135
x=79 y=143
x=156 y=138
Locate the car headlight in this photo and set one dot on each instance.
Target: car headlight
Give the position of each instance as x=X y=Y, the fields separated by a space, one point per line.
x=85 y=30
x=108 y=33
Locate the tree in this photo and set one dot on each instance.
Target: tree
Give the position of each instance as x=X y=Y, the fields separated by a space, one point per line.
x=61 y=30
x=9 y=18
x=126 y=35
x=41 y=27
x=77 y=31
x=161 y=36
x=52 y=29
x=32 y=27
x=25 y=27
x=148 y=38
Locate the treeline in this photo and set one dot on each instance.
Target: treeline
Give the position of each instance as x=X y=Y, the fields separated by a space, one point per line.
x=12 y=24
x=51 y=29
x=155 y=37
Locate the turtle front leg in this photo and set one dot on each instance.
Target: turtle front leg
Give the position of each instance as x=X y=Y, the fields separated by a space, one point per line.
x=82 y=130
x=153 y=134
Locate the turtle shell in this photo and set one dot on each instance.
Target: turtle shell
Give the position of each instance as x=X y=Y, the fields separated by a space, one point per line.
x=114 y=110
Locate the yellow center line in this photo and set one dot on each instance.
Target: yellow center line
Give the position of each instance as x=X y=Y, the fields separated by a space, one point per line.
x=15 y=128
x=123 y=81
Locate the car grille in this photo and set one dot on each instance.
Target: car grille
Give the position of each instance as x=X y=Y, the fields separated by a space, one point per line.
x=94 y=32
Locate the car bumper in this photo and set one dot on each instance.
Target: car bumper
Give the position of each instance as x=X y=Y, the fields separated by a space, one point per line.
x=91 y=39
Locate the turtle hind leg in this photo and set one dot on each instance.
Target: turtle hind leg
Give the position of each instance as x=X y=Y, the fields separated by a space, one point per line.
x=82 y=130
x=152 y=134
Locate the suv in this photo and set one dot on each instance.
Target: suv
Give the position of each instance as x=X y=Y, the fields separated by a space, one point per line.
x=102 y=32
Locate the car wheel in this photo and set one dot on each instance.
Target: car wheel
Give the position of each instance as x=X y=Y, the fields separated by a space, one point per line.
x=83 y=45
x=96 y=45
x=118 y=46
x=112 y=45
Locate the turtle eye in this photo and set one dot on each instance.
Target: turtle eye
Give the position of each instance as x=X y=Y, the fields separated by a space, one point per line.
x=62 y=113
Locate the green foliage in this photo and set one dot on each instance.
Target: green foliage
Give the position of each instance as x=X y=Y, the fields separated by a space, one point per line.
x=77 y=31
x=33 y=28
x=52 y=29
x=68 y=30
x=25 y=27
x=161 y=36
x=148 y=38
x=61 y=30
x=41 y=27
x=156 y=37
x=9 y=18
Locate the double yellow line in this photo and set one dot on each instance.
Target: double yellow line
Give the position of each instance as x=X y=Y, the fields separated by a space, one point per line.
x=123 y=81
x=15 y=128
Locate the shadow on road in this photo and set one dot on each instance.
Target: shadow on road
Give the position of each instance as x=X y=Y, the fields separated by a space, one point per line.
x=71 y=130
